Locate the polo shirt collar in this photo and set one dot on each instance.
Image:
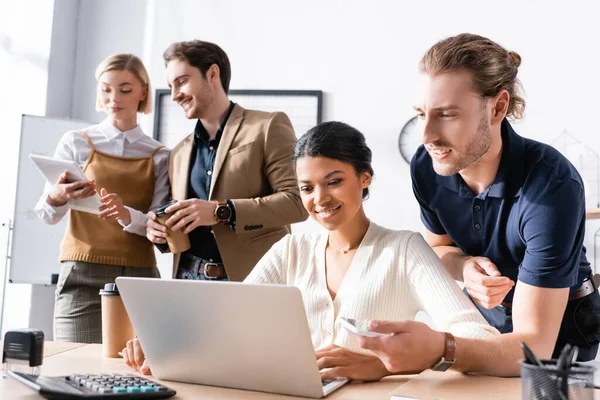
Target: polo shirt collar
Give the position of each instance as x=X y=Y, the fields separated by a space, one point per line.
x=509 y=178
x=510 y=175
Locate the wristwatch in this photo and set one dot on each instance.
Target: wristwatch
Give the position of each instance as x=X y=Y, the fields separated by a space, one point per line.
x=223 y=212
x=448 y=358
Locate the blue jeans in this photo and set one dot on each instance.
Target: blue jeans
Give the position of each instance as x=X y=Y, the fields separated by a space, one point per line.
x=580 y=325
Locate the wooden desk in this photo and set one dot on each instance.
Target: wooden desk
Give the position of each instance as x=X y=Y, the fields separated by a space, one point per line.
x=53 y=348
x=70 y=358
x=592 y=213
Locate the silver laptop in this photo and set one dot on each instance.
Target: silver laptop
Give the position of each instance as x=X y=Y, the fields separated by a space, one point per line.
x=229 y=334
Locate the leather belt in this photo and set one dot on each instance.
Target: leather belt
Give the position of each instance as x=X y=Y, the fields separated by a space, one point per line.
x=210 y=270
x=589 y=286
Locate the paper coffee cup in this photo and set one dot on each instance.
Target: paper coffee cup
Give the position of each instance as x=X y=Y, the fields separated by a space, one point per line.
x=177 y=240
x=116 y=326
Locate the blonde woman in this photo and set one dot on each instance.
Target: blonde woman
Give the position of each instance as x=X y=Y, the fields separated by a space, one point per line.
x=129 y=170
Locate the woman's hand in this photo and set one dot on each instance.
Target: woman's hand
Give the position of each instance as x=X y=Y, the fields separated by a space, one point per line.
x=64 y=191
x=112 y=208
x=134 y=357
x=348 y=364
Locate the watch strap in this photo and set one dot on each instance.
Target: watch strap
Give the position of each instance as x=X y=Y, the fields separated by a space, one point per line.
x=449 y=357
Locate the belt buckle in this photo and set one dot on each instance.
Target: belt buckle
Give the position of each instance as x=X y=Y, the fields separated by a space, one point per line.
x=206 y=267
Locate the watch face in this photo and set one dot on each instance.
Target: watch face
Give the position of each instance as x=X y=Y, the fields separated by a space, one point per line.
x=223 y=212
x=409 y=139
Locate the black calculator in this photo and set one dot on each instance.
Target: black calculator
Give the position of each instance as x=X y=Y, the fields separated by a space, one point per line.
x=94 y=386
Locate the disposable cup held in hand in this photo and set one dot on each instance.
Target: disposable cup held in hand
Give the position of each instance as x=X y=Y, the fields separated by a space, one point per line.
x=116 y=326
x=177 y=241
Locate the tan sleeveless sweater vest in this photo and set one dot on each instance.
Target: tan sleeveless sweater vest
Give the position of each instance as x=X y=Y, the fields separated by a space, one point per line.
x=91 y=239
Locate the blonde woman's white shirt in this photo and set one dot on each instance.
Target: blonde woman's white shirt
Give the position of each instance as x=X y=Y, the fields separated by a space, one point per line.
x=108 y=139
x=394 y=274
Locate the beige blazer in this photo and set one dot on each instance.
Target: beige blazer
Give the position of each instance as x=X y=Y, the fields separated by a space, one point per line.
x=253 y=168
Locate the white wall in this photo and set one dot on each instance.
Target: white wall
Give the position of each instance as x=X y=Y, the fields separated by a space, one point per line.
x=24 y=53
x=61 y=65
x=104 y=27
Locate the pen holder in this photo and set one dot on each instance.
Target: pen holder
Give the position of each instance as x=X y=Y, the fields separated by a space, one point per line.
x=549 y=383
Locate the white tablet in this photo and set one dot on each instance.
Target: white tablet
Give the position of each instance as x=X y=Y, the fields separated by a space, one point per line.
x=52 y=169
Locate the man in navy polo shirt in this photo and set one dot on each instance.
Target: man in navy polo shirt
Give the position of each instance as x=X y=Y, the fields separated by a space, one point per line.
x=501 y=209
x=505 y=214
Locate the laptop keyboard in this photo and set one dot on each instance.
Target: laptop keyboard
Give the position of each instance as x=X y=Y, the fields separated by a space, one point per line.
x=327 y=382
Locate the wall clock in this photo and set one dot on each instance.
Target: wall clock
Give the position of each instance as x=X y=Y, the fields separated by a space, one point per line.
x=409 y=139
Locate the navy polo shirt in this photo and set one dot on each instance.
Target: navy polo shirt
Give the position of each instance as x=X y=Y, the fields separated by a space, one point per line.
x=202 y=241
x=530 y=222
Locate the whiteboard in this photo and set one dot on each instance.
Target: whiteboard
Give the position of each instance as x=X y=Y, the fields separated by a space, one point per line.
x=35 y=245
x=303 y=107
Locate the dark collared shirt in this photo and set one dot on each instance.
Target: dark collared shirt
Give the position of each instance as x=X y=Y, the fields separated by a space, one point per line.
x=530 y=222
x=203 y=243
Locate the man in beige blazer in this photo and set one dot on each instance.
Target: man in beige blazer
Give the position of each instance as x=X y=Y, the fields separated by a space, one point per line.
x=233 y=177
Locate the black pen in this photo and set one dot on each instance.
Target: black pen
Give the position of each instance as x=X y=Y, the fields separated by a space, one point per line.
x=530 y=357
x=573 y=355
x=564 y=359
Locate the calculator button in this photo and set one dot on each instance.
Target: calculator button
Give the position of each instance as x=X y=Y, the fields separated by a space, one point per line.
x=134 y=389
x=119 y=389
x=147 y=389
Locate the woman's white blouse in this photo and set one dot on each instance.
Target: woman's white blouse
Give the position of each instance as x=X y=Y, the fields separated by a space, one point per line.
x=108 y=139
x=394 y=274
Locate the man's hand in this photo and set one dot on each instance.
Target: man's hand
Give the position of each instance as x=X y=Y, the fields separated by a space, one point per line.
x=155 y=231
x=63 y=191
x=483 y=281
x=348 y=364
x=134 y=357
x=112 y=208
x=190 y=214
x=412 y=348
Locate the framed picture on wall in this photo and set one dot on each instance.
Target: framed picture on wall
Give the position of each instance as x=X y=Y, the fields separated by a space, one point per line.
x=303 y=107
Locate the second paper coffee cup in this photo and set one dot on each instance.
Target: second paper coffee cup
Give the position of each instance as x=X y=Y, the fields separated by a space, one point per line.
x=116 y=326
x=177 y=241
